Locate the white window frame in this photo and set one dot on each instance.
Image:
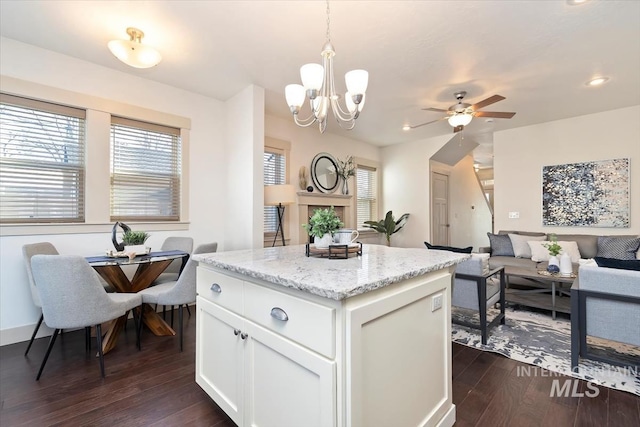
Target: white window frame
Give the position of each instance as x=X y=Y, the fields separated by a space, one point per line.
x=370 y=164
x=98 y=125
x=280 y=147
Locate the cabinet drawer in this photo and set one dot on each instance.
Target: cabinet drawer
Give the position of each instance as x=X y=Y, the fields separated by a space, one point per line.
x=219 y=288
x=308 y=323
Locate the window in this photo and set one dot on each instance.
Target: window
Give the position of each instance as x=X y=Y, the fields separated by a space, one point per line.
x=145 y=171
x=274 y=163
x=42 y=164
x=367 y=195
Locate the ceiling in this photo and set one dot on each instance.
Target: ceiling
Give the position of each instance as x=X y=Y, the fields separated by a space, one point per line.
x=538 y=54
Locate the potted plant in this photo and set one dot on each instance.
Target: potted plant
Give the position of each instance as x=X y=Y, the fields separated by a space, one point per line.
x=554 y=249
x=322 y=224
x=388 y=225
x=134 y=241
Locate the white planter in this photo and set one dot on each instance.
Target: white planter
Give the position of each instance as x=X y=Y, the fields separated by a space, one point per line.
x=137 y=249
x=323 y=242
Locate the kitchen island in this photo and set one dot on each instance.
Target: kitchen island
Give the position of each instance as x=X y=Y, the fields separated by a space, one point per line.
x=289 y=340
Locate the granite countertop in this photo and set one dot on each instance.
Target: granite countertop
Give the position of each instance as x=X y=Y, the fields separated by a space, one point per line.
x=336 y=279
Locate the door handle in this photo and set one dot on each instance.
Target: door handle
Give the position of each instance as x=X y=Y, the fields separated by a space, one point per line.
x=216 y=288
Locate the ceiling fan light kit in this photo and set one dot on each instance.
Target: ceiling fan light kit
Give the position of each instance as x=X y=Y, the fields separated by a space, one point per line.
x=318 y=85
x=460 y=115
x=132 y=52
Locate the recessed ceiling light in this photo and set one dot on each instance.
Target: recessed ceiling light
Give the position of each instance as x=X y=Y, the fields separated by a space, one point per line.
x=576 y=2
x=406 y=127
x=597 y=81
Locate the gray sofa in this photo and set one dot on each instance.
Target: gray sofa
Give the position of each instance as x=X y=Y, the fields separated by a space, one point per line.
x=587 y=245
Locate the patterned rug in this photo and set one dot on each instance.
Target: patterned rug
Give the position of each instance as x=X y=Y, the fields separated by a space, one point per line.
x=537 y=339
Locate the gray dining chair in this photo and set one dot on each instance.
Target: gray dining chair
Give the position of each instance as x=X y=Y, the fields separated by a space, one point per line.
x=179 y=292
x=28 y=251
x=174 y=243
x=72 y=297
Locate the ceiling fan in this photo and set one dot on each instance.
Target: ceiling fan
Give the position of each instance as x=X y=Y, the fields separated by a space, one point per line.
x=459 y=115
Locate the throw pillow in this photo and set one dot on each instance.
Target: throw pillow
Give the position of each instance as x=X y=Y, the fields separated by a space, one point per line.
x=540 y=254
x=521 y=248
x=618 y=263
x=618 y=247
x=466 y=250
x=500 y=245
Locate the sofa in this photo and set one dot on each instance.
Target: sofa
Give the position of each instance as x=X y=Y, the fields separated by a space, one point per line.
x=589 y=246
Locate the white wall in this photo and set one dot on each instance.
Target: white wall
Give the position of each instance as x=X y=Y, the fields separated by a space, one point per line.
x=469 y=213
x=207 y=173
x=520 y=154
x=244 y=182
x=406 y=189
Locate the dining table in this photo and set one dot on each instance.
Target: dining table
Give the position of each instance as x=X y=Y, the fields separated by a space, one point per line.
x=147 y=269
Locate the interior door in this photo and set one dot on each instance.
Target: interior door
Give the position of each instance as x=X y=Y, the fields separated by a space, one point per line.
x=439 y=209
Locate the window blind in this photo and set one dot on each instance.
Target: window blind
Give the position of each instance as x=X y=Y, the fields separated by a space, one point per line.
x=145 y=171
x=367 y=193
x=274 y=164
x=42 y=164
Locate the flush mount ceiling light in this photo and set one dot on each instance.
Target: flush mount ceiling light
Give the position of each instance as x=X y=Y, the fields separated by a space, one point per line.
x=597 y=81
x=132 y=52
x=318 y=85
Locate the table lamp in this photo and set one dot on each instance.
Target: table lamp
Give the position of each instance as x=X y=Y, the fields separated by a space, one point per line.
x=279 y=195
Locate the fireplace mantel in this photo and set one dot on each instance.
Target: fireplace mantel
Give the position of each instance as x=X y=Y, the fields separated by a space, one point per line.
x=306 y=199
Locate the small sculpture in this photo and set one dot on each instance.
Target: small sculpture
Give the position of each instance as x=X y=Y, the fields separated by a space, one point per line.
x=552 y=268
x=302 y=177
x=310 y=189
x=118 y=245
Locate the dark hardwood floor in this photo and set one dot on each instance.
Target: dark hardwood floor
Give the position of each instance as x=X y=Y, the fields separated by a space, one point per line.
x=156 y=387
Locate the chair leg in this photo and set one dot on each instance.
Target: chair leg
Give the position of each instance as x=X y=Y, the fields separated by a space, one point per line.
x=138 y=322
x=99 y=343
x=33 y=336
x=188 y=309
x=87 y=339
x=164 y=312
x=172 y=307
x=46 y=355
x=180 y=325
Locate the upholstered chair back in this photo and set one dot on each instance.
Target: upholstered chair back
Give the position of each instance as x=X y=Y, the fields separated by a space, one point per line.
x=28 y=251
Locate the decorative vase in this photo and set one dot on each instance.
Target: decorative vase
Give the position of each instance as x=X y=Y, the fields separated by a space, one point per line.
x=136 y=249
x=554 y=264
x=324 y=241
x=565 y=265
x=345 y=186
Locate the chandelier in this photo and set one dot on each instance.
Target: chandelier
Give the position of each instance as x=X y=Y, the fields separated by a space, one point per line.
x=318 y=85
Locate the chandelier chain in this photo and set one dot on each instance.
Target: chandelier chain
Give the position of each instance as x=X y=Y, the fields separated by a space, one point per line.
x=328 y=23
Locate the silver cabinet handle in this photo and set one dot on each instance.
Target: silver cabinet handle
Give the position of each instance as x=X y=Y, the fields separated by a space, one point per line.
x=244 y=336
x=216 y=288
x=236 y=332
x=280 y=314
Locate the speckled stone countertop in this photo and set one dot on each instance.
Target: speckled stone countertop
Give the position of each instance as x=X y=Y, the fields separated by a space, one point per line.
x=336 y=279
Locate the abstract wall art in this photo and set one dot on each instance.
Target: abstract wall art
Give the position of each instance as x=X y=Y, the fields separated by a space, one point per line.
x=589 y=194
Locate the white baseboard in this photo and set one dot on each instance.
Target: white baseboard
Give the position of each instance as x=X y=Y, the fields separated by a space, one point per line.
x=23 y=333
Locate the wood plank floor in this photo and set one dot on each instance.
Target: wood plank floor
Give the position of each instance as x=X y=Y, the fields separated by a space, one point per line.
x=155 y=387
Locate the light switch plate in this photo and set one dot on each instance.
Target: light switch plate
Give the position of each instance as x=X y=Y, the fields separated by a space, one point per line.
x=514 y=215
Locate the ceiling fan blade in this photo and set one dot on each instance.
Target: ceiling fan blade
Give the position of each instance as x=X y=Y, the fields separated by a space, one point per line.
x=439 y=110
x=499 y=115
x=491 y=100
x=427 y=123
x=458 y=129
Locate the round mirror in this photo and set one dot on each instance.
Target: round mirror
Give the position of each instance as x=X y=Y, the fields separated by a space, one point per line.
x=324 y=172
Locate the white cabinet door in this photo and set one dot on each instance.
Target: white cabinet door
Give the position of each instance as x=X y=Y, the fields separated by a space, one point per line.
x=287 y=384
x=219 y=357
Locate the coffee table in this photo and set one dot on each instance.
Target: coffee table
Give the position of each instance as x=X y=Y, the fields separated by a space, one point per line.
x=542 y=284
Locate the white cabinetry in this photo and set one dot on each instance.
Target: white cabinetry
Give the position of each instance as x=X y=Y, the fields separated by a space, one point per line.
x=280 y=357
x=258 y=377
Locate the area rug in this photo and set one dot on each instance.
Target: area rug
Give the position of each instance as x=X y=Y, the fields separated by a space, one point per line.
x=536 y=339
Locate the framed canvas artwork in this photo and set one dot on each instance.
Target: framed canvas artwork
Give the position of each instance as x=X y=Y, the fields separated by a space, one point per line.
x=589 y=194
